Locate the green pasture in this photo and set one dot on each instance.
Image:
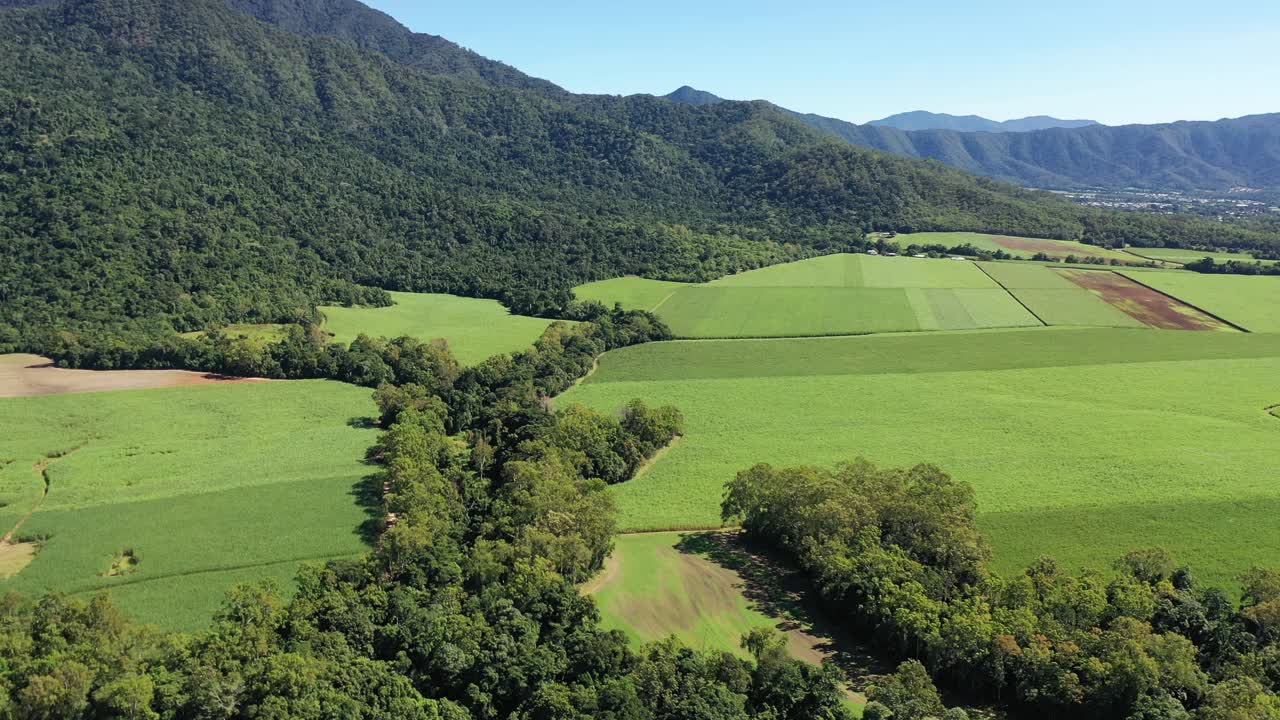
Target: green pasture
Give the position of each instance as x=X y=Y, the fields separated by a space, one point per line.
x=1056 y=249
x=654 y=588
x=475 y=329
x=707 y=591
x=1184 y=256
x=1063 y=432
x=633 y=293
x=830 y=295
x=206 y=486
x=1252 y=302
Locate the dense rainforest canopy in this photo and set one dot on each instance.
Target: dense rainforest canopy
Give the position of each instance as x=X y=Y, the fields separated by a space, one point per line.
x=174 y=165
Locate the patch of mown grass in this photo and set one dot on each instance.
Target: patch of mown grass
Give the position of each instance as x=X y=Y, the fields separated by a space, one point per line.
x=1038 y=421
x=633 y=293
x=192 y=482
x=1252 y=302
x=475 y=329
x=709 y=590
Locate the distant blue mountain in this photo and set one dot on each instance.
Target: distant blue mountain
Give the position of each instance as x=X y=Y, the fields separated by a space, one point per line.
x=924 y=120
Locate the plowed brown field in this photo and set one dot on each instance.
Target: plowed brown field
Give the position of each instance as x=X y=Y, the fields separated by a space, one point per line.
x=1141 y=302
x=29 y=375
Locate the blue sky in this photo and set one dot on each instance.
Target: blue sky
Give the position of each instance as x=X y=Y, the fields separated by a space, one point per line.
x=1121 y=61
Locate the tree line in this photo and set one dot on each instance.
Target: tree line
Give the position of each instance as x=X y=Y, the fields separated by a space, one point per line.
x=895 y=555
x=466 y=608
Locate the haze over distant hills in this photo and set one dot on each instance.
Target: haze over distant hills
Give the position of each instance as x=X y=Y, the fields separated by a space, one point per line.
x=1218 y=155
x=925 y=120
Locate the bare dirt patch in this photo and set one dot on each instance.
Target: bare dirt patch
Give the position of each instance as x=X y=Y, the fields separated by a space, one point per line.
x=1149 y=306
x=31 y=375
x=1054 y=248
x=16 y=556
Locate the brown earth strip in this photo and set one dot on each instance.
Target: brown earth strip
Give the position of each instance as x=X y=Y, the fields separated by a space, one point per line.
x=1052 y=248
x=1148 y=306
x=16 y=556
x=32 y=375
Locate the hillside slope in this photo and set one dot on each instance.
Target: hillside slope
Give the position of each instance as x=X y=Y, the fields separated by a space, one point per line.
x=174 y=164
x=179 y=163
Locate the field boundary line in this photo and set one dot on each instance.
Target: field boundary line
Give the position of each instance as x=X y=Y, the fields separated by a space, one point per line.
x=664 y=300
x=111 y=585
x=1175 y=298
x=42 y=468
x=1012 y=295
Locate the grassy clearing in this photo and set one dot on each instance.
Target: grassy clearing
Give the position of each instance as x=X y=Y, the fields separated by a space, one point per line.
x=1183 y=256
x=197 y=484
x=633 y=293
x=475 y=329
x=1248 y=301
x=708 y=590
x=1061 y=423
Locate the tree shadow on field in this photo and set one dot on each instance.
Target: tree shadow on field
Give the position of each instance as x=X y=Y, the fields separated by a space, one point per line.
x=363 y=423
x=368 y=495
x=775 y=588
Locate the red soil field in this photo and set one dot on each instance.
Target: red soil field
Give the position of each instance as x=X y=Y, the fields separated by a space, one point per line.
x=29 y=375
x=1141 y=302
x=1054 y=248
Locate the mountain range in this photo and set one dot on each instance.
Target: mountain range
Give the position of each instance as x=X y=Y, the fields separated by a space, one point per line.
x=168 y=165
x=924 y=120
x=1219 y=155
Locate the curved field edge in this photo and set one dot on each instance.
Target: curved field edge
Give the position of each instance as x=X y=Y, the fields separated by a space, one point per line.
x=475 y=329
x=197 y=484
x=1091 y=419
x=708 y=589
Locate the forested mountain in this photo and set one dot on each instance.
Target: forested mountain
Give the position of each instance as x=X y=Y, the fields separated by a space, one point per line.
x=168 y=165
x=1241 y=152
x=924 y=120
x=182 y=164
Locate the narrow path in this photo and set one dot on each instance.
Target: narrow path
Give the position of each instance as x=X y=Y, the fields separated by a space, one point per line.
x=1012 y=294
x=663 y=301
x=1274 y=410
x=42 y=469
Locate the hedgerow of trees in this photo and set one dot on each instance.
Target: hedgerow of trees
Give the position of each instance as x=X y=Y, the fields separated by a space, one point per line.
x=895 y=554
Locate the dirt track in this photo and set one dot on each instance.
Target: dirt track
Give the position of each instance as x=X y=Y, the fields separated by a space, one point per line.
x=30 y=375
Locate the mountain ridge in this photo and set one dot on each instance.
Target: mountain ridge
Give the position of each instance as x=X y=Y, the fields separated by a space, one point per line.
x=1185 y=155
x=925 y=120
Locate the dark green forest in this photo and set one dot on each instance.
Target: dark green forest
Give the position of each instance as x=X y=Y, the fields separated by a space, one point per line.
x=171 y=166
x=896 y=556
